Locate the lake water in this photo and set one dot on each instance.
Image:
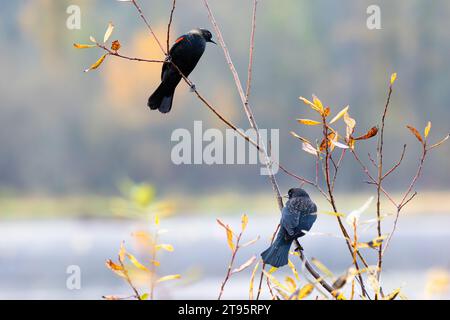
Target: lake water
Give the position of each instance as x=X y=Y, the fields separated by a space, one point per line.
x=35 y=255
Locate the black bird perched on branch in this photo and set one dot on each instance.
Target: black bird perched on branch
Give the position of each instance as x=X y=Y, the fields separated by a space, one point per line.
x=298 y=215
x=184 y=54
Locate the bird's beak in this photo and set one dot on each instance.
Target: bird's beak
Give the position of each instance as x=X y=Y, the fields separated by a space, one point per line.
x=213 y=41
x=285 y=196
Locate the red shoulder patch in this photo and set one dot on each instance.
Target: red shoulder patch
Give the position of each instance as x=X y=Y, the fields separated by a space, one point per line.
x=179 y=39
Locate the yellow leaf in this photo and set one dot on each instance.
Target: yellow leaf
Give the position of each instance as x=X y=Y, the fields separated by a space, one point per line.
x=108 y=32
x=294 y=270
x=392 y=295
x=84 y=46
x=340 y=297
x=318 y=104
x=305 y=291
x=244 y=221
x=97 y=63
x=415 y=132
x=170 y=277
x=322 y=267
x=340 y=115
x=229 y=232
x=136 y=263
x=375 y=243
x=167 y=247
x=252 y=280
x=145 y=296
x=291 y=284
x=332 y=213
x=122 y=253
x=307 y=102
x=156 y=220
x=308 y=122
x=155 y=263
x=427 y=129
x=393 y=78
x=273 y=269
x=230 y=239
x=275 y=281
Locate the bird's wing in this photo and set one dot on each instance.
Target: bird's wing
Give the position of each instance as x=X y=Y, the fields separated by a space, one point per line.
x=308 y=216
x=289 y=221
x=165 y=68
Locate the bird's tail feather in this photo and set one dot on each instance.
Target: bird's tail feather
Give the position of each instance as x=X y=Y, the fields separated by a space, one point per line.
x=162 y=98
x=277 y=254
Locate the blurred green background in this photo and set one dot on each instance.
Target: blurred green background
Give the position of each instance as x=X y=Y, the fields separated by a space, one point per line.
x=67 y=134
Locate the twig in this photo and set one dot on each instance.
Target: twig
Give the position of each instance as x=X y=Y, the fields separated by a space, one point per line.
x=333 y=203
x=380 y=180
x=407 y=198
x=228 y=274
x=397 y=164
x=314 y=273
x=174 y=3
x=128 y=280
x=116 y=54
x=251 y=50
x=138 y=8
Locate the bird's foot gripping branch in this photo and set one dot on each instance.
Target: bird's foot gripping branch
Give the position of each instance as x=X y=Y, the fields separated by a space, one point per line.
x=363 y=279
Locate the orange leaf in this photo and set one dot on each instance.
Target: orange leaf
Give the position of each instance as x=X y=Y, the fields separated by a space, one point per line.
x=415 y=132
x=370 y=134
x=115 y=46
x=327 y=142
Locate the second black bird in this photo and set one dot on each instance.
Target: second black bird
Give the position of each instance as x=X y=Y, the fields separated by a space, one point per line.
x=184 y=54
x=297 y=217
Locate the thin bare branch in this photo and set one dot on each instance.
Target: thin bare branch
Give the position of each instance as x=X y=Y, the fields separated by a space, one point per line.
x=251 y=53
x=149 y=27
x=380 y=179
x=399 y=162
x=169 y=25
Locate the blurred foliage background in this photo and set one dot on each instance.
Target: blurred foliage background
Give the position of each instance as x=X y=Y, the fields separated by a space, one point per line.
x=63 y=132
